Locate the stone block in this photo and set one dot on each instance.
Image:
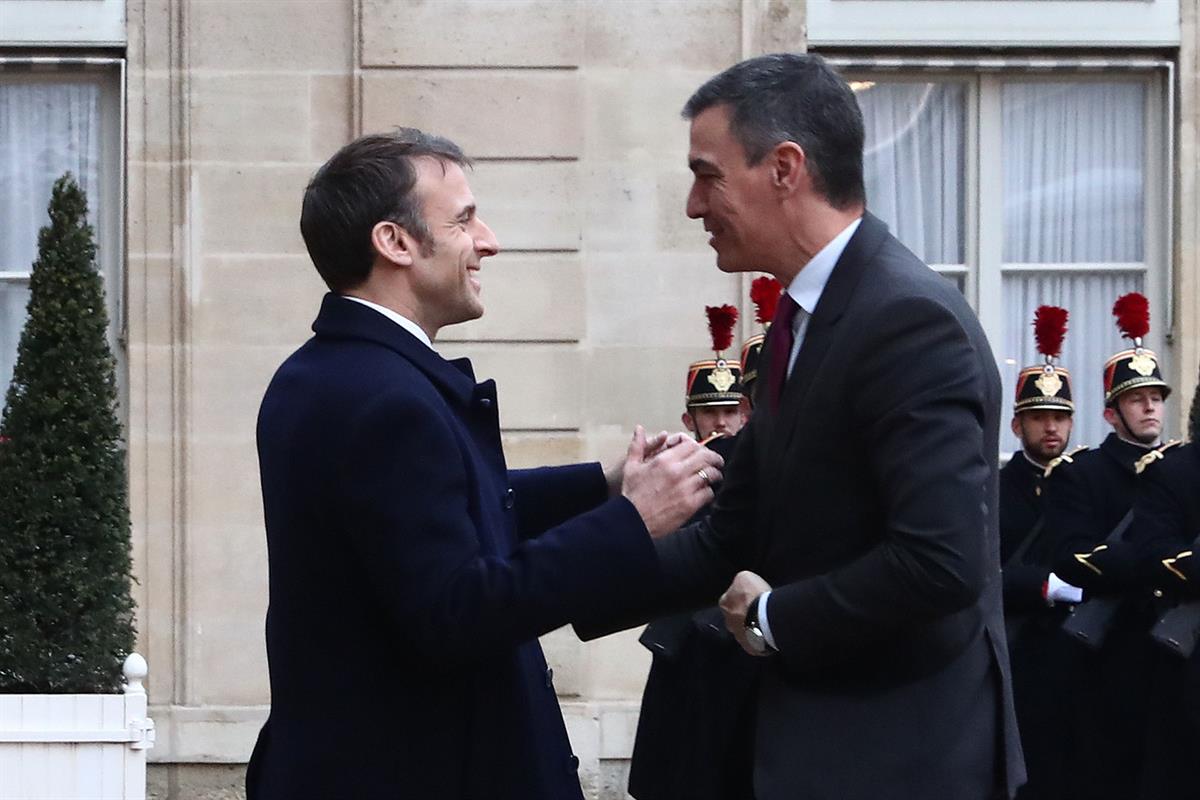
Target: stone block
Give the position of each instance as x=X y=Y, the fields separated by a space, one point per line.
x=565 y=655
x=331 y=104
x=622 y=203
x=636 y=120
x=224 y=486
x=618 y=665
x=268 y=300
x=618 y=728
x=688 y=34
x=675 y=230
x=271 y=35
x=249 y=208
x=538 y=384
x=225 y=649
x=196 y=781
x=527 y=297
x=654 y=299
x=472 y=33
x=150 y=125
x=489 y=113
x=531 y=205
x=149 y=226
x=657 y=372
x=540 y=449
x=227 y=386
x=250 y=117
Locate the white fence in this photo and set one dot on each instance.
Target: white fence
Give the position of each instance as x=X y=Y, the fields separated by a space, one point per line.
x=76 y=746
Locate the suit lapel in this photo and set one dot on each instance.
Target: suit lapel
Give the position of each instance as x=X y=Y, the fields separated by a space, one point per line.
x=822 y=327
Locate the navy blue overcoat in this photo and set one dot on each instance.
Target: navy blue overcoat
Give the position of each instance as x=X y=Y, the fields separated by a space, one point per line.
x=411 y=573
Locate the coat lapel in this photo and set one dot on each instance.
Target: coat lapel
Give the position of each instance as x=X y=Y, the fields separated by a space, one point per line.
x=340 y=318
x=822 y=327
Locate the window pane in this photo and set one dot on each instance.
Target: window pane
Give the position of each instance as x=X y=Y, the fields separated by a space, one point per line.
x=14 y=297
x=1092 y=337
x=46 y=129
x=1074 y=172
x=914 y=163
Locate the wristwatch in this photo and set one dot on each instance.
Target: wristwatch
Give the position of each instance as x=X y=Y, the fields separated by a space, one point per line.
x=755 y=638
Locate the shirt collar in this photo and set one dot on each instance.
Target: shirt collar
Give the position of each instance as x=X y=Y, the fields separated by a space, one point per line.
x=809 y=283
x=402 y=321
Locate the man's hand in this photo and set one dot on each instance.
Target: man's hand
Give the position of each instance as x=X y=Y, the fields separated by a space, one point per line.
x=737 y=599
x=614 y=474
x=668 y=479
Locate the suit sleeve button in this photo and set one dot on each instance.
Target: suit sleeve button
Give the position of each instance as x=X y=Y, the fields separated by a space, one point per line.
x=509 y=500
x=573 y=763
x=485 y=402
x=549 y=677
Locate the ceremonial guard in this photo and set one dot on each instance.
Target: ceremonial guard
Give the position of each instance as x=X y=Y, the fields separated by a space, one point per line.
x=1089 y=513
x=1035 y=599
x=695 y=730
x=1167 y=510
x=764 y=293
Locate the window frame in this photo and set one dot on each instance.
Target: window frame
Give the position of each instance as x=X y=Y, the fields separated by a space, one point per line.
x=983 y=216
x=109 y=75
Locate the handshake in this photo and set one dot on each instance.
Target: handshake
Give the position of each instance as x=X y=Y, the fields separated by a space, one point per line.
x=667 y=477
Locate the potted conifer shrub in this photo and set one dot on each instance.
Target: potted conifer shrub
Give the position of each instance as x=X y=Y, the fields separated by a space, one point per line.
x=72 y=708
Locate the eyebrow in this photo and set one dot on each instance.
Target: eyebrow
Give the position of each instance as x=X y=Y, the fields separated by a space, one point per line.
x=697 y=164
x=468 y=211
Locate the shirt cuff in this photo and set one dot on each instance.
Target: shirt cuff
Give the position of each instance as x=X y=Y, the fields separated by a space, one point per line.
x=762 y=619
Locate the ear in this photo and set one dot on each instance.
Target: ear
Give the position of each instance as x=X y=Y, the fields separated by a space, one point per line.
x=393 y=244
x=1016 y=426
x=789 y=167
x=688 y=422
x=1110 y=416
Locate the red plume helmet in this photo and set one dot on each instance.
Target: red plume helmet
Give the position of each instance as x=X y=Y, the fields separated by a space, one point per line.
x=1049 y=330
x=1133 y=316
x=720 y=324
x=764 y=293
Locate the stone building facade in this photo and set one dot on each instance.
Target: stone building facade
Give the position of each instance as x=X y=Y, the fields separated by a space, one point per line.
x=570 y=109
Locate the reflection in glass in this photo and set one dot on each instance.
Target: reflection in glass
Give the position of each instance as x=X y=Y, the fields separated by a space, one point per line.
x=1074 y=172
x=915 y=164
x=14 y=297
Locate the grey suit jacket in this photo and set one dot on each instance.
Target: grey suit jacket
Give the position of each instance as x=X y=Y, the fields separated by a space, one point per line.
x=869 y=502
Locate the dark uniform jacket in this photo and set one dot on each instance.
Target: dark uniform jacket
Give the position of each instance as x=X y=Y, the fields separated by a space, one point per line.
x=869 y=501
x=1020 y=511
x=411 y=573
x=695 y=730
x=1085 y=501
x=1168 y=514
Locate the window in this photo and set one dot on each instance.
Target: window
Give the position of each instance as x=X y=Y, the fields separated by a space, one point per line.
x=1027 y=189
x=51 y=122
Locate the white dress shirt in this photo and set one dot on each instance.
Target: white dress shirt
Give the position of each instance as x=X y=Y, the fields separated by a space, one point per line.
x=402 y=321
x=806 y=289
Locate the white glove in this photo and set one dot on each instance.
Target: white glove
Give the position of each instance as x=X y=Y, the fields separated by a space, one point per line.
x=1059 y=591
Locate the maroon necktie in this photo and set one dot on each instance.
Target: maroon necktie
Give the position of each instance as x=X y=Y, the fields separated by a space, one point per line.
x=780 y=339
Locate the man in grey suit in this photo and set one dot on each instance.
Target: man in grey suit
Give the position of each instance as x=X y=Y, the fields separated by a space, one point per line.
x=858 y=516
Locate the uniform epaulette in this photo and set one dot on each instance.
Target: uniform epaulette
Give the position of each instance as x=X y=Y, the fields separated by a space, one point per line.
x=1154 y=455
x=1065 y=458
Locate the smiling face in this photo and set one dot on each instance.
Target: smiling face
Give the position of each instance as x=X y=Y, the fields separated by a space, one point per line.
x=445 y=270
x=737 y=202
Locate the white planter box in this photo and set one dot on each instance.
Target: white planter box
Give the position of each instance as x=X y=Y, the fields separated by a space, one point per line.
x=76 y=746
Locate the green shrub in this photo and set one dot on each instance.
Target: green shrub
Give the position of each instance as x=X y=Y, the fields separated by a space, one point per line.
x=66 y=614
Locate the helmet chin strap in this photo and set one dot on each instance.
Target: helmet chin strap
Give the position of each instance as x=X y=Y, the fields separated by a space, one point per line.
x=1128 y=430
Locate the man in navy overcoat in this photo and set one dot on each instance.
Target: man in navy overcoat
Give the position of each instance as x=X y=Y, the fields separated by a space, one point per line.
x=411 y=571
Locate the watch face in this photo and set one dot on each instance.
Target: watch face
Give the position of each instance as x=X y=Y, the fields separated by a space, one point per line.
x=756 y=641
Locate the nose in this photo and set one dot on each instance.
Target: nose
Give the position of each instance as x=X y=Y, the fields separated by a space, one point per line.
x=485 y=241
x=695 y=203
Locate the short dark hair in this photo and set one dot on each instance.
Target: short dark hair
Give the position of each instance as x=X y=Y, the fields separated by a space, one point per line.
x=788 y=97
x=370 y=180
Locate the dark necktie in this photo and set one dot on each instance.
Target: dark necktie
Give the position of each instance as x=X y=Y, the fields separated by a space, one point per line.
x=780 y=340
